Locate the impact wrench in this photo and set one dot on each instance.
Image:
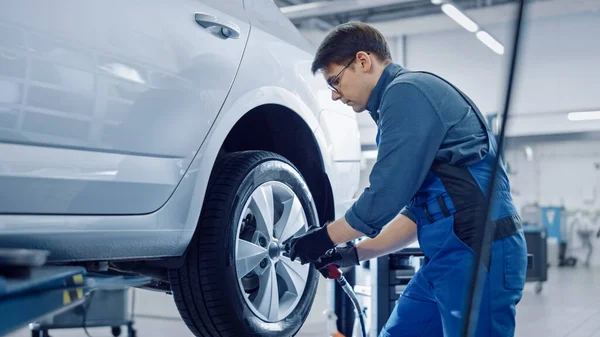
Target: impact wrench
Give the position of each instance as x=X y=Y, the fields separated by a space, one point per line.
x=332 y=272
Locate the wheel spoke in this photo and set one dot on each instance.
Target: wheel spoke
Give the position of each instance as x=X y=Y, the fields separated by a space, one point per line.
x=248 y=257
x=292 y=219
x=267 y=299
x=294 y=274
x=262 y=207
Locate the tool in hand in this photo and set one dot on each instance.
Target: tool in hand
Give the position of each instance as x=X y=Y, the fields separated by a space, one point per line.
x=331 y=271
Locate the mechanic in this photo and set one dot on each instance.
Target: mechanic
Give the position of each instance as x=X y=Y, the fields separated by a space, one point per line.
x=434 y=161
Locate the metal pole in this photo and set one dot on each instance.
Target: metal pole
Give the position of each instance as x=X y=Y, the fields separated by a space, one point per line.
x=484 y=234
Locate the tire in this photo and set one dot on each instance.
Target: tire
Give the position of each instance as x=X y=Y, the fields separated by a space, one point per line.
x=211 y=297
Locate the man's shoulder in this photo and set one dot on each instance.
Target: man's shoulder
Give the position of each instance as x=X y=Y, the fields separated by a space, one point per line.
x=430 y=85
x=422 y=80
x=448 y=103
x=403 y=83
x=425 y=82
x=409 y=84
x=406 y=78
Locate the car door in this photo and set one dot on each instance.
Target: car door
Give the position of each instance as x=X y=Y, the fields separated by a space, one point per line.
x=104 y=103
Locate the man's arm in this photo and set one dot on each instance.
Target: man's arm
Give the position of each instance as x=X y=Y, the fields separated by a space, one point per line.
x=398 y=234
x=411 y=132
x=340 y=231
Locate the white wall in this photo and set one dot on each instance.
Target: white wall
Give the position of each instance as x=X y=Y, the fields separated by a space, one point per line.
x=559 y=69
x=559 y=173
x=562 y=173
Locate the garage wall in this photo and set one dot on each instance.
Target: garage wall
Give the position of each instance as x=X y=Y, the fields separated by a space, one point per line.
x=559 y=69
x=559 y=173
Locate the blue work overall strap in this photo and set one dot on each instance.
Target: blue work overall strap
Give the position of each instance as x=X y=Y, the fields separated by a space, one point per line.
x=460 y=191
x=502 y=188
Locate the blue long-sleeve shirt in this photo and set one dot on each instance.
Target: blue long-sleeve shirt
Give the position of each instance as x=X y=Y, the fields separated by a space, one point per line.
x=419 y=118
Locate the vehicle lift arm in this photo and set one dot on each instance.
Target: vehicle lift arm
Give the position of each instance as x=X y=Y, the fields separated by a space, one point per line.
x=31 y=290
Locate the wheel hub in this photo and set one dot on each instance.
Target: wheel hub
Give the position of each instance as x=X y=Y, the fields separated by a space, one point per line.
x=274 y=250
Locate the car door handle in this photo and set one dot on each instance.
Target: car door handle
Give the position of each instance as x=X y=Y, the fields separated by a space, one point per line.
x=220 y=28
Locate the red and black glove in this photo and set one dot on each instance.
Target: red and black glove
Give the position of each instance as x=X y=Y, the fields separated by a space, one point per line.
x=342 y=257
x=311 y=245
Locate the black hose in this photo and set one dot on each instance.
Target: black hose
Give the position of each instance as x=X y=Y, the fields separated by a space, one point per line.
x=362 y=324
x=348 y=290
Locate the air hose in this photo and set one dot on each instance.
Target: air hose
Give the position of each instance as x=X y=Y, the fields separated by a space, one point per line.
x=336 y=274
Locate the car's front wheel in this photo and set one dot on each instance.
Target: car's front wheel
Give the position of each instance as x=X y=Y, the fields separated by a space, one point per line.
x=236 y=280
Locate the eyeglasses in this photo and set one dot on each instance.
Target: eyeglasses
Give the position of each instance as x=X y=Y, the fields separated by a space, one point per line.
x=336 y=79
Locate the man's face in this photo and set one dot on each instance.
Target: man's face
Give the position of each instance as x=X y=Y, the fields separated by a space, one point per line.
x=349 y=83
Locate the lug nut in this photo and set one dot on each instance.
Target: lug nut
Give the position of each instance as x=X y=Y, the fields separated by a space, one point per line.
x=263 y=263
x=262 y=242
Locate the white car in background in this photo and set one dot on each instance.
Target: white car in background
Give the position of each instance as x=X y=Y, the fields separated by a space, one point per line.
x=185 y=140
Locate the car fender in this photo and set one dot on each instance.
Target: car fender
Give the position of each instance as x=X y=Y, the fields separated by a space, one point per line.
x=182 y=210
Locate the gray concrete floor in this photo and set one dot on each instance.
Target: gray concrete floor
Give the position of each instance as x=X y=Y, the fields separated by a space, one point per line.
x=569 y=306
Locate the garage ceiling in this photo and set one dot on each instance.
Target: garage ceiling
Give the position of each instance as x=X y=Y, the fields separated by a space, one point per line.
x=323 y=15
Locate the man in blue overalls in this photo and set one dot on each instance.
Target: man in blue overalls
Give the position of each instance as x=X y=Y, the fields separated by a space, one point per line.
x=434 y=163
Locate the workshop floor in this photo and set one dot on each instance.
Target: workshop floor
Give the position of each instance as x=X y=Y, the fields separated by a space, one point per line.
x=569 y=306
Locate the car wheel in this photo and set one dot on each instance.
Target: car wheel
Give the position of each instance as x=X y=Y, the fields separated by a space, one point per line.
x=236 y=280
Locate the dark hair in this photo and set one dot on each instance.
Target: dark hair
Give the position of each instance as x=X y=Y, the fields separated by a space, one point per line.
x=344 y=41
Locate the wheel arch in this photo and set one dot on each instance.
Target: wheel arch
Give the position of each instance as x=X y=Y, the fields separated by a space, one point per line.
x=279 y=129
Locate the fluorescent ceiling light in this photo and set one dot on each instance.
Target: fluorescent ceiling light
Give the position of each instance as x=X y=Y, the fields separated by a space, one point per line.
x=489 y=41
x=584 y=115
x=437 y=2
x=302 y=7
x=460 y=18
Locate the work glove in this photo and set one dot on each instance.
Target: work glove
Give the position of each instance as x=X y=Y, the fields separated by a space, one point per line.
x=343 y=257
x=311 y=245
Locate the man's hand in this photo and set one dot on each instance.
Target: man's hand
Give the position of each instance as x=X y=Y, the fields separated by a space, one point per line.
x=343 y=257
x=310 y=246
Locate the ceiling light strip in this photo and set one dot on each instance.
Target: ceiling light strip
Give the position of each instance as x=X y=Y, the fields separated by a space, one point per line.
x=463 y=20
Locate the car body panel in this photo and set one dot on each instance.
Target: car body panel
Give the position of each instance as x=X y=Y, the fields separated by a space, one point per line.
x=168 y=231
x=267 y=17
x=135 y=87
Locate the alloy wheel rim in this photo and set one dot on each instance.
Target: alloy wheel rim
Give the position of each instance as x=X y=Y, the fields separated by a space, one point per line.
x=271 y=283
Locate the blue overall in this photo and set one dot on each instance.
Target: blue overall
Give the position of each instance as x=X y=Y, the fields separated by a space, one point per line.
x=447 y=208
x=434 y=301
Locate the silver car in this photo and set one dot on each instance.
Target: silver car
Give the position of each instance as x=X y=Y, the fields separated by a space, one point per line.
x=185 y=140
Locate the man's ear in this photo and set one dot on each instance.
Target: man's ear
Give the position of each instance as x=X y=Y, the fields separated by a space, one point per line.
x=365 y=61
